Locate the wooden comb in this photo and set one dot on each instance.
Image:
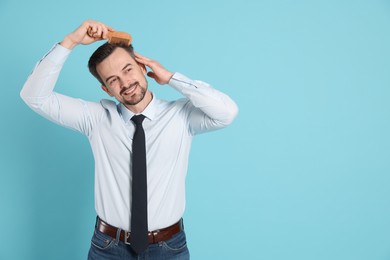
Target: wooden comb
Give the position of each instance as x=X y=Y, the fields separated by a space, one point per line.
x=116 y=37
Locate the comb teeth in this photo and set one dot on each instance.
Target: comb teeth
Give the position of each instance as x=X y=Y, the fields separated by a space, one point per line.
x=119 y=38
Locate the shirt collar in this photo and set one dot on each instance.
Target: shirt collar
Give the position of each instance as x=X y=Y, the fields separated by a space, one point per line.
x=149 y=112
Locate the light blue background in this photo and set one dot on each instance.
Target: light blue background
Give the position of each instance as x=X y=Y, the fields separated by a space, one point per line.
x=303 y=172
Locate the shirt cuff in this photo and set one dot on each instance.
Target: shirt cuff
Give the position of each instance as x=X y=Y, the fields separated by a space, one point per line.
x=57 y=54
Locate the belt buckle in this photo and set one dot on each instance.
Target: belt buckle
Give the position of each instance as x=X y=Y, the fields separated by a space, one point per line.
x=154 y=234
x=127 y=236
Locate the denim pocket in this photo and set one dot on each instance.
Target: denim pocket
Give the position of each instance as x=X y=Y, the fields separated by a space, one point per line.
x=176 y=243
x=102 y=241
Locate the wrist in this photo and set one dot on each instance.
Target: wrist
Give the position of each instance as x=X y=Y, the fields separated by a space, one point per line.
x=170 y=75
x=68 y=43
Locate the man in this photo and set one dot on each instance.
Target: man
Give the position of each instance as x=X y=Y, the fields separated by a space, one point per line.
x=141 y=145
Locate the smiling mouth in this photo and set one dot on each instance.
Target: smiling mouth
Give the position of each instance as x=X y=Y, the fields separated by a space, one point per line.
x=130 y=90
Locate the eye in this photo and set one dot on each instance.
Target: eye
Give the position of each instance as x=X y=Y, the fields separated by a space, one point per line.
x=112 y=81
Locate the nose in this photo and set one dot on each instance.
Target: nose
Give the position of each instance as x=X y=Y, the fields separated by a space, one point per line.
x=125 y=83
x=122 y=83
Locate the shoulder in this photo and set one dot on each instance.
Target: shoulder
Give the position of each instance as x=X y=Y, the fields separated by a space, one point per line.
x=108 y=104
x=111 y=108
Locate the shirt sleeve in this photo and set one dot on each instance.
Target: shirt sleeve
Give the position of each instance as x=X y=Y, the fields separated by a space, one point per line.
x=38 y=93
x=210 y=109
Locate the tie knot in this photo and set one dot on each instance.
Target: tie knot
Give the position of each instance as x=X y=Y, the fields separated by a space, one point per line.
x=138 y=119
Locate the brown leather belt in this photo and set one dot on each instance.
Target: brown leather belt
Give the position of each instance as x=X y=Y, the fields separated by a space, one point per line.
x=153 y=236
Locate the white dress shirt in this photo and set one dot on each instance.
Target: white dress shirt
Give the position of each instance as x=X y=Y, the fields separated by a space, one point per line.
x=169 y=129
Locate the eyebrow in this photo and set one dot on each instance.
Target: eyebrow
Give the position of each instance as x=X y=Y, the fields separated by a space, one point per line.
x=125 y=67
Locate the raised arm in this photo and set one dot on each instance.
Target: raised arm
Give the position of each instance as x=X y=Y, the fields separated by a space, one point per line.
x=209 y=110
x=38 y=91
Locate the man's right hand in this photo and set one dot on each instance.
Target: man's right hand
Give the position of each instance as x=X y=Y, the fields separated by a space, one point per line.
x=97 y=31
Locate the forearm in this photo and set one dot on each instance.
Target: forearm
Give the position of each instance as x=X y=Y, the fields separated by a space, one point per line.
x=68 y=43
x=38 y=93
x=40 y=84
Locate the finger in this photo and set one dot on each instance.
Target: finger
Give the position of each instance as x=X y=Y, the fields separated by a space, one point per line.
x=105 y=33
x=142 y=61
x=137 y=55
x=151 y=74
x=93 y=30
x=107 y=29
x=99 y=32
x=110 y=28
x=90 y=31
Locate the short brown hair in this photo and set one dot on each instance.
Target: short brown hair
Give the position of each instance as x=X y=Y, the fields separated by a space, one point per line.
x=102 y=53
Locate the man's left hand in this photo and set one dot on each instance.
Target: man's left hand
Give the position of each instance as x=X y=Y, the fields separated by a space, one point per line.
x=160 y=74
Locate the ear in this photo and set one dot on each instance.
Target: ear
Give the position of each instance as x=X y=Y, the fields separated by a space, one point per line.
x=105 y=89
x=143 y=68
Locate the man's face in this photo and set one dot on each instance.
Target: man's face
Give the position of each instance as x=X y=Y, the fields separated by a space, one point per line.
x=123 y=77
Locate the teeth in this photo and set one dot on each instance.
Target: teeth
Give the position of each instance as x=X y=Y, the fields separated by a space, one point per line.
x=129 y=90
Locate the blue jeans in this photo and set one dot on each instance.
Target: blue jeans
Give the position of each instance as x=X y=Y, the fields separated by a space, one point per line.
x=105 y=247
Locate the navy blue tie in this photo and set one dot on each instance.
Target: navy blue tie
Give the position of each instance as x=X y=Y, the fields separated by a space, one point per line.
x=139 y=205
